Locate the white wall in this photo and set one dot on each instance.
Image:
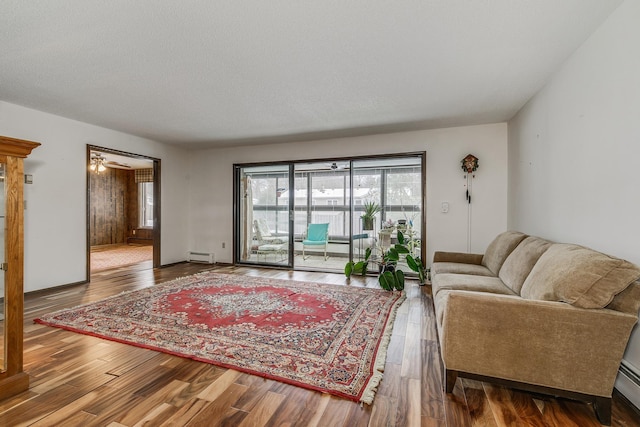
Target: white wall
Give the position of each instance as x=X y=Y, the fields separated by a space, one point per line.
x=212 y=182
x=574 y=150
x=55 y=218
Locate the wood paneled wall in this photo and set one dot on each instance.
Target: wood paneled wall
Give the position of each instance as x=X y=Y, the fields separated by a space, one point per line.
x=141 y=235
x=114 y=206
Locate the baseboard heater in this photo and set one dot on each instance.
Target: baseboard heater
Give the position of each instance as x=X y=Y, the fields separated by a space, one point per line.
x=204 y=257
x=628 y=383
x=629 y=373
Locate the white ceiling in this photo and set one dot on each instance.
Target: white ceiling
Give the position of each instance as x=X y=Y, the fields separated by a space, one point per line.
x=215 y=73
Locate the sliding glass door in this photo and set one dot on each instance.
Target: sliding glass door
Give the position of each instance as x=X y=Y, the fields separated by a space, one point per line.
x=396 y=186
x=309 y=215
x=323 y=195
x=263 y=226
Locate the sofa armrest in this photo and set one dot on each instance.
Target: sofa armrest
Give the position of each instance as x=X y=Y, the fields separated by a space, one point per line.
x=545 y=343
x=459 y=257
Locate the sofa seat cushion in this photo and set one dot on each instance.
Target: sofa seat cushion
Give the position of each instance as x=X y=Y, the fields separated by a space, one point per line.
x=467 y=282
x=498 y=250
x=459 y=268
x=520 y=262
x=579 y=276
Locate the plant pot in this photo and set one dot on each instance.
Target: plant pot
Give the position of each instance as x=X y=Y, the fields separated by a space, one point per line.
x=367 y=223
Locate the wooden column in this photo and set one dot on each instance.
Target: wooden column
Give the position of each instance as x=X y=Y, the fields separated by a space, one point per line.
x=12 y=152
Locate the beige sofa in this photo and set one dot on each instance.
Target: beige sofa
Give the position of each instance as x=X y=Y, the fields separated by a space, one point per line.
x=536 y=315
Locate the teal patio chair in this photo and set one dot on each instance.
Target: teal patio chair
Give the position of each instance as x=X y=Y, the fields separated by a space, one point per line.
x=317 y=235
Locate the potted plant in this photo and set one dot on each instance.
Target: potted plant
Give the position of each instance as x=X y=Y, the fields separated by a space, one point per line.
x=371 y=208
x=390 y=276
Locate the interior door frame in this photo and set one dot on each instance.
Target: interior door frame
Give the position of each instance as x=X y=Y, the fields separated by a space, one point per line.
x=156 y=233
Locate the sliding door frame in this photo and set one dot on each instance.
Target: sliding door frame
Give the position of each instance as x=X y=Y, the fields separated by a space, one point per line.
x=291 y=164
x=237 y=168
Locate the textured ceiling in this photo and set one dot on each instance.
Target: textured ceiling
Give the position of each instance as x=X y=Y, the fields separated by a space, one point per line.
x=215 y=73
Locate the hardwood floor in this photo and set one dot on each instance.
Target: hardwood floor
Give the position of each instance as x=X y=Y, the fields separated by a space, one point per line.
x=81 y=380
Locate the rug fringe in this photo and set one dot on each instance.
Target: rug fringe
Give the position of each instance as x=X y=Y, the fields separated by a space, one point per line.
x=381 y=356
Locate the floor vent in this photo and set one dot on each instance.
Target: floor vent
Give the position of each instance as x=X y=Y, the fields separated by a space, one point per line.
x=205 y=257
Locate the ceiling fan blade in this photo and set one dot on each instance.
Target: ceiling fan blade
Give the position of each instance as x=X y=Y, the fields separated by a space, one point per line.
x=117 y=165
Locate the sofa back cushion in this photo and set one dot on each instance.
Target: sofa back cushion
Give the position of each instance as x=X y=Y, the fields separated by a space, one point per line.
x=520 y=262
x=500 y=248
x=627 y=301
x=579 y=276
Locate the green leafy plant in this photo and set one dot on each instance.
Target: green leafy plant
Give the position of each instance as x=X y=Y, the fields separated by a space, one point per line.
x=359 y=267
x=390 y=276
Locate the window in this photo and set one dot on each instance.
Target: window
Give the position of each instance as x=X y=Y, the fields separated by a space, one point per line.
x=145 y=204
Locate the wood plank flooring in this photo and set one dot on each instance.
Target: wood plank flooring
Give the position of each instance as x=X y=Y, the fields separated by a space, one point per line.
x=78 y=380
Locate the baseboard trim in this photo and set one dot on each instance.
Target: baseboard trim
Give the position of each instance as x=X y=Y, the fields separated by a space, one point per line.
x=58 y=288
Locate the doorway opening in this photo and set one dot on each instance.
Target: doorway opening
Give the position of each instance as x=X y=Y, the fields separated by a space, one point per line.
x=123 y=210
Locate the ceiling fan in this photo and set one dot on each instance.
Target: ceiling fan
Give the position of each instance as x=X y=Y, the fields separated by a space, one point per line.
x=98 y=163
x=336 y=166
x=117 y=165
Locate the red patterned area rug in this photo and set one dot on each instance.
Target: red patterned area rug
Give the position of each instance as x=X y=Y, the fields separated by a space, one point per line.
x=323 y=337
